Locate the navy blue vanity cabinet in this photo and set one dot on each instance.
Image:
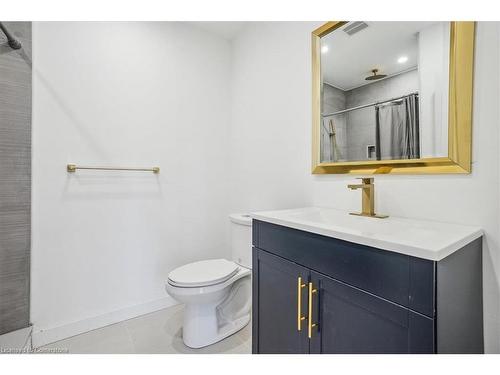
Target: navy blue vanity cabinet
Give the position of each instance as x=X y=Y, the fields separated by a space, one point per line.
x=361 y=299
x=359 y=322
x=276 y=288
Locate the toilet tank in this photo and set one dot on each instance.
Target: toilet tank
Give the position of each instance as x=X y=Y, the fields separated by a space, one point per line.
x=241 y=239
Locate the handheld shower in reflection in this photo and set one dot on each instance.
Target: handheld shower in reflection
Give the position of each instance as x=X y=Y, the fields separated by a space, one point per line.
x=335 y=154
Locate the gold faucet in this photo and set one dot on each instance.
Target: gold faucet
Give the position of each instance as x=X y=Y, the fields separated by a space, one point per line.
x=367 y=198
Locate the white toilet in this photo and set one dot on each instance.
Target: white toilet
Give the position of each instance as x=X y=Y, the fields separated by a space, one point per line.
x=217 y=292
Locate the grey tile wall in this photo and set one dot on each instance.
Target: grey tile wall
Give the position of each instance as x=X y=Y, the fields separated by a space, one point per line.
x=15 y=178
x=361 y=123
x=356 y=130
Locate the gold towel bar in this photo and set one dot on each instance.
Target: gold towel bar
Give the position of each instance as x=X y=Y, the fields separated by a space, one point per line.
x=74 y=167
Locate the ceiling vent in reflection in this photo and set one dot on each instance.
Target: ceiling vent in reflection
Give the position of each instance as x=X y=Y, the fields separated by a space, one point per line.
x=354 y=27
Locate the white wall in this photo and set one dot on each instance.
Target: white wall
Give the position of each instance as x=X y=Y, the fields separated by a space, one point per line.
x=269 y=160
x=433 y=60
x=271 y=134
x=124 y=94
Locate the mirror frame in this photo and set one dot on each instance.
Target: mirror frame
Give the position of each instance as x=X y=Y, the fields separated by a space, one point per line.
x=459 y=113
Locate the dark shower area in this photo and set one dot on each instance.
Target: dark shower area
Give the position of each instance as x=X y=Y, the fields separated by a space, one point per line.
x=15 y=174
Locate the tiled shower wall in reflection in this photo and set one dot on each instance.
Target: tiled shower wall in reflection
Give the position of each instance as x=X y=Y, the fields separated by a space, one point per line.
x=355 y=130
x=15 y=178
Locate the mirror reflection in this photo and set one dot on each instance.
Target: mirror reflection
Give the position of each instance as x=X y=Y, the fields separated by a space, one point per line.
x=385 y=91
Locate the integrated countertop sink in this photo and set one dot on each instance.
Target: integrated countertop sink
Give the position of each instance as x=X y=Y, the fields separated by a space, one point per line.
x=419 y=238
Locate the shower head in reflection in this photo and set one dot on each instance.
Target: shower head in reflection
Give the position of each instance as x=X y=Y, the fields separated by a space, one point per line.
x=13 y=42
x=375 y=76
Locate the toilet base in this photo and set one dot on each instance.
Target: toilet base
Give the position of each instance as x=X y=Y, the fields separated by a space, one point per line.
x=209 y=333
x=209 y=322
x=214 y=312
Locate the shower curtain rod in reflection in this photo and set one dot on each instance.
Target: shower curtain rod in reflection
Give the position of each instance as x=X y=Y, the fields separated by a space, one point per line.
x=367 y=105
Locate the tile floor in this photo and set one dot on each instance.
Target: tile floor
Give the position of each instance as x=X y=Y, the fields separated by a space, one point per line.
x=158 y=332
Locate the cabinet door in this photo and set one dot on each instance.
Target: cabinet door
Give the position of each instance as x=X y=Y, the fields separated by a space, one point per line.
x=350 y=320
x=276 y=298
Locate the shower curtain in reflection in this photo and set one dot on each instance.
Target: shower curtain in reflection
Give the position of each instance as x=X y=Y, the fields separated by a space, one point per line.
x=397 y=129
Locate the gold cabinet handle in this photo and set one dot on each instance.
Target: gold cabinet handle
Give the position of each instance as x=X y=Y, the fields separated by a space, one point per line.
x=300 y=318
x=310 y=324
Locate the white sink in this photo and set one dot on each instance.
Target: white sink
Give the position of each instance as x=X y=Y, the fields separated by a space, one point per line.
x=420 y=238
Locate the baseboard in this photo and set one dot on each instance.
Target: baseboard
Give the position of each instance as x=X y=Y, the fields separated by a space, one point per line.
x=16 y=341
x=43 y=337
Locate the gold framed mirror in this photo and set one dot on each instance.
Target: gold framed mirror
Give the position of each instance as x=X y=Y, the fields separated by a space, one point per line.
x=401 y=127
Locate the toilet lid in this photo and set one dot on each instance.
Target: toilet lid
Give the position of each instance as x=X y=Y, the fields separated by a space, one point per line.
x=203 y=273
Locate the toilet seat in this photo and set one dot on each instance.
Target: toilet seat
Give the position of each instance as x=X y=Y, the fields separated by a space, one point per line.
x=203 y=273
